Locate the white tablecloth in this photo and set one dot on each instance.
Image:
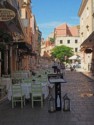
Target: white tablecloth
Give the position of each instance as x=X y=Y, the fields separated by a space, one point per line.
x=22 y=75
x=26 y=88
x=7 y=82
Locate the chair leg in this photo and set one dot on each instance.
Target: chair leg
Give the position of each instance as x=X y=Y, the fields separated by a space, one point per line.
x=21 y=103
x=12 y=104
x=41 y=102
x=24 y=100
x=32 y=102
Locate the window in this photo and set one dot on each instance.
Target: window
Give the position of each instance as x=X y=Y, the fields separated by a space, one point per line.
x=61 y=41
x=76 y=41
x=68 y=41
x=76 y=49
x=87 y=12
x=19 y=10
x=82 y=34
x=26 y=15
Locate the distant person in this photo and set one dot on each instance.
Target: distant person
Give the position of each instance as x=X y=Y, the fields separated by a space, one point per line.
x=72 y=66
x=58 y=67
x=76 y=64
x=62 y=68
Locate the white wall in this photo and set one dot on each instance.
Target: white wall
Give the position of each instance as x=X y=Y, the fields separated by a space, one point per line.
x=72 y=43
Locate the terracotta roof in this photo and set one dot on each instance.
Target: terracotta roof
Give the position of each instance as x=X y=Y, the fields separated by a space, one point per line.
x=62 y=26
x=74 y=31
x=65 y=30
x=48 y=43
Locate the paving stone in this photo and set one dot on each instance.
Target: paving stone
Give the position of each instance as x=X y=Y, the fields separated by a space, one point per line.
x=79 y=89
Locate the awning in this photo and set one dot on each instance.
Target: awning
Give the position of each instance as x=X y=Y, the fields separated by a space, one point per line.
x=23 y=46
x=33 y=54
x=89 y=42
x=14 y=25
x=88 y=50
x=29 y=53
x=75 y=57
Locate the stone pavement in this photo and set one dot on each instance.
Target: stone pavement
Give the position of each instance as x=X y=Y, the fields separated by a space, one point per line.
x=87 y=73
x=80 y=90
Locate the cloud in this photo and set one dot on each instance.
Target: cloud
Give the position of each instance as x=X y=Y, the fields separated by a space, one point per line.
x=75 y=18
x=53 y=24
x=74 y=21
x=48 y=27
x=49 y=24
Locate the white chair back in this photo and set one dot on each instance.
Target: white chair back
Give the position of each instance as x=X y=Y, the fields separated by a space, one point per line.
x=16 y=89
x=36 y=88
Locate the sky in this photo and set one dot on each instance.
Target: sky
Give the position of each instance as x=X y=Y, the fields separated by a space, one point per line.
x=52 y=13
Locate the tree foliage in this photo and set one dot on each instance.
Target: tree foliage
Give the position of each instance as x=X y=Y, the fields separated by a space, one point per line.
x=52 y=40
x=62 y=52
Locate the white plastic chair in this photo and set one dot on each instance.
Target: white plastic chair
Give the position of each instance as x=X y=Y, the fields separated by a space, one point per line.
x=36 y=90
x=27 y=81
x=17 y=95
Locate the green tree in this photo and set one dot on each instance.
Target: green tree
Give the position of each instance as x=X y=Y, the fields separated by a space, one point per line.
x=52 y=40
x=62 y=52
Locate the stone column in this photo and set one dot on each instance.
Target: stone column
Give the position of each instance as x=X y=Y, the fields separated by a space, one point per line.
x=10 y=58
x=6 y=60
x=0 y=64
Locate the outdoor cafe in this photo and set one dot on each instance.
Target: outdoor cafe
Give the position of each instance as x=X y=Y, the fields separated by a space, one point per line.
x=24 y=85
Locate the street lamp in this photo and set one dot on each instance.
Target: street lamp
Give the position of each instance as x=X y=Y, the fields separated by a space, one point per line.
x=51 y=105
x=66 y=106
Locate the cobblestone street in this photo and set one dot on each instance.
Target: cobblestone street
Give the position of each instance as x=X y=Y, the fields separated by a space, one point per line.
x=80 y=90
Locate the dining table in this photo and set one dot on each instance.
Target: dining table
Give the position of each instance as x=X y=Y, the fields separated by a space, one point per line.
x=6 y=82
x=26 y=89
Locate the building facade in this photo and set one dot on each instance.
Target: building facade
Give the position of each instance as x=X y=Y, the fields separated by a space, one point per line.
x=43 y=47
x=86 y=14
x=47 y=46
x=17 y=54
x=68 y=36
x=36 y=42
x=14 y=28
